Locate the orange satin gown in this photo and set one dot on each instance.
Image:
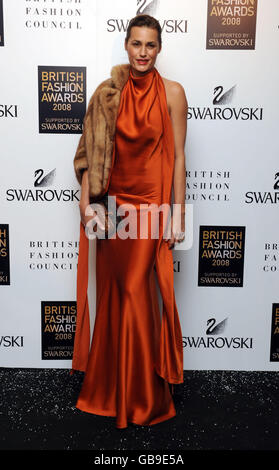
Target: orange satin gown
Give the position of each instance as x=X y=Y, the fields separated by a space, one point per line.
x=134 y=352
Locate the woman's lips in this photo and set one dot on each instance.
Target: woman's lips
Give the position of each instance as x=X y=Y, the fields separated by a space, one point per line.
x=142 y=61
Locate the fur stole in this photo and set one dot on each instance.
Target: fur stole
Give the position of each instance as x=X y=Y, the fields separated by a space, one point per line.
x=95 y=148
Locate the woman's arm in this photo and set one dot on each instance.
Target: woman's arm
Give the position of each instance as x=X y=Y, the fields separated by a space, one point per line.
x=178 y=113
x=85 y=202
x=84 y=198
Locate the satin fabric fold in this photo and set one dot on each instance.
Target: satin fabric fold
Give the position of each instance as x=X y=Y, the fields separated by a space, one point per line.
x=134 y=352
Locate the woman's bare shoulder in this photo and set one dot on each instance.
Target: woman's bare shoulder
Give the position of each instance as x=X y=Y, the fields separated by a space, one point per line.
x=175 y=92
x=173 y=86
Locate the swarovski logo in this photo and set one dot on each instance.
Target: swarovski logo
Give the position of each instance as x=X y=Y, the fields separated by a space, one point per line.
x=42 y=180
x=264 y=197
x=213 y=340
x=221 y=98
x=148 y=8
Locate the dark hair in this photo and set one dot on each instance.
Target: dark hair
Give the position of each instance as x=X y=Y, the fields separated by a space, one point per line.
x=144 y=20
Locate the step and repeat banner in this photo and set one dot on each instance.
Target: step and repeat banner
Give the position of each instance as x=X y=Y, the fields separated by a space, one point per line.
x=53 y=55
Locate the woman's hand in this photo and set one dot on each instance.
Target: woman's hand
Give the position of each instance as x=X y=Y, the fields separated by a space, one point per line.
x=85 y=215
x=85 y=218
x=177 y=229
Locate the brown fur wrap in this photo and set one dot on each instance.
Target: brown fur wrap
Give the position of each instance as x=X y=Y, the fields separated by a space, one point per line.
x=95 y=148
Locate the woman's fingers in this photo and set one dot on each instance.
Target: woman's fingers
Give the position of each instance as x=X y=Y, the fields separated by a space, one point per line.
x=85 y=219
x=171 y=242
x=177 y=237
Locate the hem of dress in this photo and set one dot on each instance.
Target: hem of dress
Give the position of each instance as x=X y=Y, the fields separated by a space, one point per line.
x=119 y=426
x=156 y=421
x=77 y=368
x=96 y=412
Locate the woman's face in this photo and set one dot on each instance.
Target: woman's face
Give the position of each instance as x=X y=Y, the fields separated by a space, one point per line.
x=142 y=48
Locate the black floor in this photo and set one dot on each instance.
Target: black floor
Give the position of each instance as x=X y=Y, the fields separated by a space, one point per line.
x=215 y=411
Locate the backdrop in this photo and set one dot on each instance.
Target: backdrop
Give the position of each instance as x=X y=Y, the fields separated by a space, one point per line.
x=53 y=55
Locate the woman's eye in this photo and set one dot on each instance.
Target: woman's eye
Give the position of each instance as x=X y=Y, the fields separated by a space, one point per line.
x=137 y=44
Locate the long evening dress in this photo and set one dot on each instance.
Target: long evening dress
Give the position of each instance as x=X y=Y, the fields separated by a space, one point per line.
x=134 y=352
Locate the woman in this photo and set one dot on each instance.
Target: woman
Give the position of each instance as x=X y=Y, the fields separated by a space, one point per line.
x=134 y=355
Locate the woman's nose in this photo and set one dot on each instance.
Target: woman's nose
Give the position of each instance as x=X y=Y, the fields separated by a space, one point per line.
x=143 y=51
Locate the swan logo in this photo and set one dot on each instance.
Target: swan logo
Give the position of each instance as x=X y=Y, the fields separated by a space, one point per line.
x=214 y=328
x=148 y=8
x=4 y=255
x=264 y=197
x=214 y=340
x=221 y=97
x=42 y=180
x=226 y=113
x=1 y=24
